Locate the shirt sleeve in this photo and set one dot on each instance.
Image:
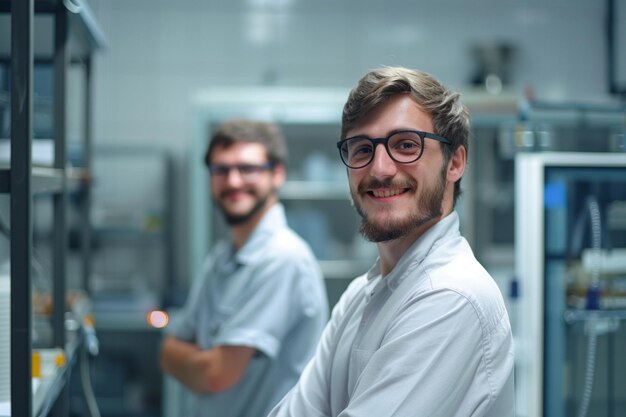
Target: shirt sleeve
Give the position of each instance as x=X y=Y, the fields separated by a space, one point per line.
x=311 y=395
x=184 y=322
x=434 y=361
x=274 y=302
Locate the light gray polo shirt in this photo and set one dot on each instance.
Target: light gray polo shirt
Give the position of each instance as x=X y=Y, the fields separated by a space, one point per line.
x=430 y=339
x=269 y=295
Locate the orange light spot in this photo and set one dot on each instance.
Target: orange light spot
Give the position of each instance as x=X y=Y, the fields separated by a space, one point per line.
x=157 y=319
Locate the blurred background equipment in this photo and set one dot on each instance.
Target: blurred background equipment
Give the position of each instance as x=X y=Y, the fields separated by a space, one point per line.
x=494 y=64
x=570 y=263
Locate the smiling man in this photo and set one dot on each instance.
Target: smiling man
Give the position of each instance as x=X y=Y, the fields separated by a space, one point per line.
x=425 y=332
x=252 y=321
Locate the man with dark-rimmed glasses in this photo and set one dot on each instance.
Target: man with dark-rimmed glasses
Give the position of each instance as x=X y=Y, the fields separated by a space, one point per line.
x=252 y=321
x=425 y=332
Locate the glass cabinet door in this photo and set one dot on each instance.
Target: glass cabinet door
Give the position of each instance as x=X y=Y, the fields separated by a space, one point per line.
x=571 y=262
x=585 y=279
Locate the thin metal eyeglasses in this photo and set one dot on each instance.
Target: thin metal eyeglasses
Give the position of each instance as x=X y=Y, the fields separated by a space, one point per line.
x=246 y=171
x=403 y=146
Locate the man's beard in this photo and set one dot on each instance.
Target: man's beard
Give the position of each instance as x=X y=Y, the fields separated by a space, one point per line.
x=236 y=219
x=428 y=208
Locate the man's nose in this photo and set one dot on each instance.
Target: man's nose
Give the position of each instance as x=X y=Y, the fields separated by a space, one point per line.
x=382 y=165
x=233 y=177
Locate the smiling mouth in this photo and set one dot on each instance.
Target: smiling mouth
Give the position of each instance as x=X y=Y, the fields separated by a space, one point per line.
x=233 y=193
x=387 y=193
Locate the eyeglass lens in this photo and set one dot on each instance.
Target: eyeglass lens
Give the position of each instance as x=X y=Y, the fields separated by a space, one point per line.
x=402 y=147
x=245 y=170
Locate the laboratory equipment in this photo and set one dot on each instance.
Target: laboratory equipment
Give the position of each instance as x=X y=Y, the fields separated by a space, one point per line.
x=570 y=249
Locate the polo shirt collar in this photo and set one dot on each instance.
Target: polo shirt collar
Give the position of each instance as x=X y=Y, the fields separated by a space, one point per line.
x=273 y=221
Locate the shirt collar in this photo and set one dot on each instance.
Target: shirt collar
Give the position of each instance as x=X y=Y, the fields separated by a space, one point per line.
x=417 y=252
x=271 y=222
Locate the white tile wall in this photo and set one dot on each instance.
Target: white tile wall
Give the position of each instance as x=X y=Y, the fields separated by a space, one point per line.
x=161 y=52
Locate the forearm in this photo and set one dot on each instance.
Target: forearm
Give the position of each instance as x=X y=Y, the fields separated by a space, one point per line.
x=183 y=361
x=204 y=371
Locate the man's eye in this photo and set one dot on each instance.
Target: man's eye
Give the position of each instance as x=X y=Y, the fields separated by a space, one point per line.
x=247 y=169
x=220 y=170
x=407 y=146
x=362 y=150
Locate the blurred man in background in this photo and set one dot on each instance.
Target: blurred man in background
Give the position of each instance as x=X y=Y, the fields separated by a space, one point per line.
x=254 y=317
x=425 y=332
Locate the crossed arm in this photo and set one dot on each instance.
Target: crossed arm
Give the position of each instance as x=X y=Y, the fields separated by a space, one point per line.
x=204 y=371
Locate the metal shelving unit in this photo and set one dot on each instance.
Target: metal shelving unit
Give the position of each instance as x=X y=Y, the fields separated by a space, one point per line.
x=132 y=228
x=75 y=37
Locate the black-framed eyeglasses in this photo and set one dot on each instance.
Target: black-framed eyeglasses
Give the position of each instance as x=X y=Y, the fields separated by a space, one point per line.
x=246 y=171
x=403 y=146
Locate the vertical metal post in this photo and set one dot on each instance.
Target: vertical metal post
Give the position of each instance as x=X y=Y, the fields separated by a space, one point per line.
x=610 y=46
x=86 y=188
x=21 y=228
x=61 y=61
x=60 y=75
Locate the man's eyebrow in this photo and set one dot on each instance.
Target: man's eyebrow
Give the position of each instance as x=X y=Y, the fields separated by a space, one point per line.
x=391 y=132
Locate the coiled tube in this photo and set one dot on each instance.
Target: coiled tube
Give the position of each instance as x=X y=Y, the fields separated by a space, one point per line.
x=593 y=303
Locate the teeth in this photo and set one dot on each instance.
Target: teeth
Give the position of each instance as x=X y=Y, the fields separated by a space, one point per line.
x=386 y=193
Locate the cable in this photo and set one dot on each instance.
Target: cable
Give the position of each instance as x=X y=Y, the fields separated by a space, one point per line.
x=593 y=303
x=596 y=239
x=72 y=6
x=85 y=379
x=590 y=368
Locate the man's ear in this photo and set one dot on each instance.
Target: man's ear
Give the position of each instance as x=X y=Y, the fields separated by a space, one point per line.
x=456 y=165
x=279 y=175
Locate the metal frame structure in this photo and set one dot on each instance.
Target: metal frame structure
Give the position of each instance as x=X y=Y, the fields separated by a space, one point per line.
x=22 y=181
x=612 y=45
x=21 y=204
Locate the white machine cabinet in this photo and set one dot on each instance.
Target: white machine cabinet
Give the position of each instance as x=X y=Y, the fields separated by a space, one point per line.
x=570 y=261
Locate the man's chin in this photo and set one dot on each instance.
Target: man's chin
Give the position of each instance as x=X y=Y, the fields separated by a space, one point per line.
x=237 y=217
x=235 y=220
x=384 y=231
x=379 y=233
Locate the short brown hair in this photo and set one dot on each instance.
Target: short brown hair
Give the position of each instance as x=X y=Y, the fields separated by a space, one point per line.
x=245 y=130
x=450 y=117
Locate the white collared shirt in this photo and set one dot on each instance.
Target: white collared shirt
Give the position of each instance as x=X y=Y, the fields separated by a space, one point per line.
x=439 y=346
